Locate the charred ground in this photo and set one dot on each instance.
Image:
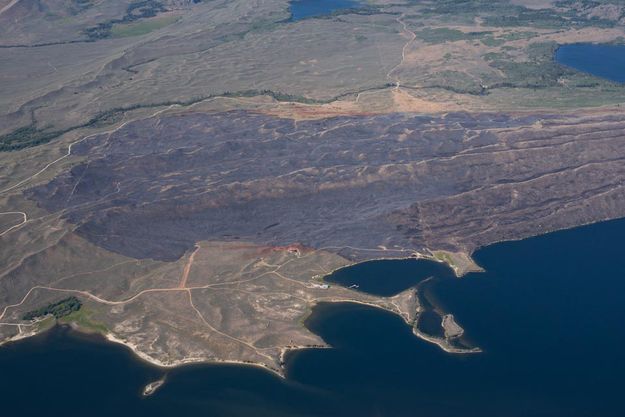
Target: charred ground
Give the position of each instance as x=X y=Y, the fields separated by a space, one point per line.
x=405 y=182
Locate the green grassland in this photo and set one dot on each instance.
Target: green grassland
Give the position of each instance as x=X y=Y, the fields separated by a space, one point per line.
x=85 y=321
x=67 y=311
x=143 y=27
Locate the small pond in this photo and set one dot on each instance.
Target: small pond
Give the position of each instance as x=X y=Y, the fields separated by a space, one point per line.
x=302 y=9
x=601 y=60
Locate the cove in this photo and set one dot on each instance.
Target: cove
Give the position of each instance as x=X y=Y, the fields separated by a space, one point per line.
x=388 y=277
x=302 y=9
x=548 y=314
x=601 y=60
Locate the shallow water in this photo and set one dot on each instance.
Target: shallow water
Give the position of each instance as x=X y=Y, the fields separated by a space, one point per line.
x=302 y=9
x=605 y=61
x=548 y=313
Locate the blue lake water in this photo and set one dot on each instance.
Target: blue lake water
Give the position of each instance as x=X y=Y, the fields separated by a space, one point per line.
x=302 y=9
x=388 y=277
x=549 y=314
x=605 y=61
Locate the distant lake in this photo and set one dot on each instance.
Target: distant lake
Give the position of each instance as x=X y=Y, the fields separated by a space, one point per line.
x=605 y=61
x=549 y=314
x=301 y=9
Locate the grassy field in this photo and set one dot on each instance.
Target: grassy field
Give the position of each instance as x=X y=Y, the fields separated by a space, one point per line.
x=83 y=318
x=45 y=324
x=465 y=55
x=142 y=27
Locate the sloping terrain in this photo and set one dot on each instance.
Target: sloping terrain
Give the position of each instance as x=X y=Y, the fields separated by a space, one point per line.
x=190 y=170
x=404 y=182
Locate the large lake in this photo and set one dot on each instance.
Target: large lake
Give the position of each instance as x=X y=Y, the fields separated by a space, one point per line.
x=301 y=9
x=549 y=314
x=605 y=61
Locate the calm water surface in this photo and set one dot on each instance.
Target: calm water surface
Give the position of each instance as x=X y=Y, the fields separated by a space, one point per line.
x=301 y=9
x=549 y=314
x=388 y=277
x=605 y=61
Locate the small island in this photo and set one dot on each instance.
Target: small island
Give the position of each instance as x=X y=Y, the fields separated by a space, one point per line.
x=151 y=388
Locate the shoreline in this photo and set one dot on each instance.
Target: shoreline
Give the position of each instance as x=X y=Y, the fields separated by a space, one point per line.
x=407 y=316
x=185 y=361
x=444 y=344
x=283 y=351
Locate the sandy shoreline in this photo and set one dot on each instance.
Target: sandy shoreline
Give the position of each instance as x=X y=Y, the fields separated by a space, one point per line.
x=443 y=344
x=185 y=361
